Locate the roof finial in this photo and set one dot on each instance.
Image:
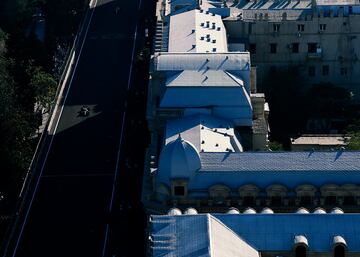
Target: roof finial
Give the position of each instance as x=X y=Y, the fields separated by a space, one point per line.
x=179 y=137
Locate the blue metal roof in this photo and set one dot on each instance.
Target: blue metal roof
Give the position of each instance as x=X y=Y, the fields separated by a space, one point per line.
x=268 y=232
x=265 y=168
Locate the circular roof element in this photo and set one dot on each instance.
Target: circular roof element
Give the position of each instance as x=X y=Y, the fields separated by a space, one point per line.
x=190 y=211
x=233 y=210
x=319 y=210
x=249 y=211
x=267 y=210
x=337 y=210
x=339 y=240
x=174 y=211
x=300 y=239
x=179 y=158
x=302 y=210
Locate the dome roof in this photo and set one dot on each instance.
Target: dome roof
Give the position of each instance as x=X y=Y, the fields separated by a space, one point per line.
x=179 y=158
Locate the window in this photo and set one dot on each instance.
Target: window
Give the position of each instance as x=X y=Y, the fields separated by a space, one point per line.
x=276 y=27
x=305 y=200
x=300 y=251
x=343 y=71
x=295 y=47
x=339 y=251
x=325 y=70
x=312 y=47
x=311 y=71
x=322 y=27
x=276 y=200
x=179 y=190
x=330 y=200
x=349 y=200
x=252 y=48
x=248 y=200
x=301 y=27
x=273 y=48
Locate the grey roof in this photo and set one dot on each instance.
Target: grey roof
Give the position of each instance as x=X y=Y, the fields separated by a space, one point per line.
x=264 y=232
x=199 y=61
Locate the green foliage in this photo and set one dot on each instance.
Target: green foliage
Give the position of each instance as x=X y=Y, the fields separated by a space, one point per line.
x=44 y=86
x=354 y=142
x=275 y=146
x=15 y=148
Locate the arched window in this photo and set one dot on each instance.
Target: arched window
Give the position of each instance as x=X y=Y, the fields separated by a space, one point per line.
x=300 y=251
x=339 y=251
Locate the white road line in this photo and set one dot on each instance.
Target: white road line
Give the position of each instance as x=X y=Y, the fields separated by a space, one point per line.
x=79 y=175
x=132 y=57
x=120 y=141
x=52 y=138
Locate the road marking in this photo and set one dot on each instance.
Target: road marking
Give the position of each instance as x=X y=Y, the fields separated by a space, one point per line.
x=52 y=138
x=79 y=175
x=120 y=141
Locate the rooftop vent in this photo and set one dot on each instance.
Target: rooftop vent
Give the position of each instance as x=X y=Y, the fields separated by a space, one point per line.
x=319 y=211
x=337 y=210
x=214 y=41
x=267 y=211
x=207 y=12
x=218 y=28
x=214 y=49
x=202 y=38
x=174 y=211
x=213 y=14
x=207 y=35
x=202 y=142
x=302 y=210
x=249 y=211
x=202 y=24
x=233 y=210
x=208 y=39
x=201 y=11
x=190 y=211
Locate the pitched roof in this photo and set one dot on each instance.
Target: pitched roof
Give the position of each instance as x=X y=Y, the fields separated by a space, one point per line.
x=206 y=78
x=205 y=237
x=263 y=232
x=232 y=61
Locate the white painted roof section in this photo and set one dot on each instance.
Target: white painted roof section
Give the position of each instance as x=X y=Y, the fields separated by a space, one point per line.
x=197 y=31
x=206 y=133
x=225 y=243
x=204 y=78
x=319 y=140
x=234 y=61
x=337 y=2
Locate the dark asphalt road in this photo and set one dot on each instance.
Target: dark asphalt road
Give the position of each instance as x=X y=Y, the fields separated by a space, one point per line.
x=70 y=211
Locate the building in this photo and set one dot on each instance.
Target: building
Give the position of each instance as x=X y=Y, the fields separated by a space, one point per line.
x=266 y=234
x=320 y=39
x=310 y=142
